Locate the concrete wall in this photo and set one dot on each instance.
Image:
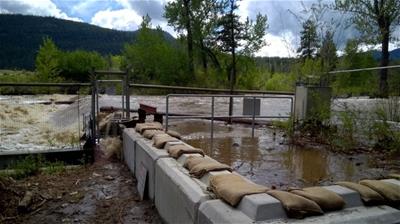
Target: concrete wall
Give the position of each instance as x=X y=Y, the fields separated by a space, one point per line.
x=179 y=198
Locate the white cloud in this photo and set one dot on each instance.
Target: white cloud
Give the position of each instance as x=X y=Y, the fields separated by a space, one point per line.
x=83 y=6
x=278 y=46
x=123 y=19
x=127 y=19
x=37 y=7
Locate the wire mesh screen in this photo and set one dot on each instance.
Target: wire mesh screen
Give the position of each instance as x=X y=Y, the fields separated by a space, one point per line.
x=42 y=121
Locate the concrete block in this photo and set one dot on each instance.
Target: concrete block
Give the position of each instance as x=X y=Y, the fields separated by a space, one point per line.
x=217 y=211
x=393 y=181
x=182 y=159
x=206 y=178
x=169 y=144
x=355 y=215
x=146 y=155
x=351 y=197
x=260 y=207
x=128 y=148
x=177 y=195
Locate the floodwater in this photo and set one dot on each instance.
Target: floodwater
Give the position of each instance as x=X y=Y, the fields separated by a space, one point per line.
x=266 y=159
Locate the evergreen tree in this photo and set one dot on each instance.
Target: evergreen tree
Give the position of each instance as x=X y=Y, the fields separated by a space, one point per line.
x=47 y=61
x=236 y=37
x=328 y=52
x=309 y=42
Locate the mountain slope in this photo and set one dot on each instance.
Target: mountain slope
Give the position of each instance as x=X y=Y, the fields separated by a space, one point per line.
x=394 y=55
x=21 y=35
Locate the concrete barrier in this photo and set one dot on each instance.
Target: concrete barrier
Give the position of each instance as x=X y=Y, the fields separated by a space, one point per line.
x=179 y=198
x=129 y=148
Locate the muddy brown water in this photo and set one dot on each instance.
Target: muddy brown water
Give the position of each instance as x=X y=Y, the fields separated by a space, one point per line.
x=267 y=158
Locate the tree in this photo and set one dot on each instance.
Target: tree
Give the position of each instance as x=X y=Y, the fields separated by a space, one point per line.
x=328 y=52
x=179 y=15
x=154 y=59
x=47 y=61
x=76 y=65
x=236 y=37
x=355 y=83
x=196 y=19
x=376 y=20
x=309 y=42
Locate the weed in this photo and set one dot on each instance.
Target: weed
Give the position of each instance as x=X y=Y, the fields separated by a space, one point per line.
x=32 y=165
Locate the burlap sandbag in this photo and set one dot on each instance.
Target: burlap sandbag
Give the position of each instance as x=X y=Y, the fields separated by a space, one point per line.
x=390 y=191
x=176 y=151
x=151 y=132
x=326 y=199
x=193 y=161
x=199 y=170
x=159 y=140
x=296 y=206
x=368 y=196
x=232 y=188
x=174 y=134
x=148 y=126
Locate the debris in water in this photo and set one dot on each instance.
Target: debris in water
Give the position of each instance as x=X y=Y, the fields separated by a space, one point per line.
x=111 y=146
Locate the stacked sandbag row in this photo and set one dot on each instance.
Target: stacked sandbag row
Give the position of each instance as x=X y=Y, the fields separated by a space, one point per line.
x=198 y=166
x=376 y=192
x=231 y=187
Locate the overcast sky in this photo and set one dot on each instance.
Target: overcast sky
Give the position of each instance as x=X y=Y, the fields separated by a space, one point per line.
x=282 y=35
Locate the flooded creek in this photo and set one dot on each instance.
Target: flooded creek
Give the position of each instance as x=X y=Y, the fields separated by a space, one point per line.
x=266 y=159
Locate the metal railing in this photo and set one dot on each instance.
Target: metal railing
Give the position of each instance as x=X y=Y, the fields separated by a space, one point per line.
x=213 y=117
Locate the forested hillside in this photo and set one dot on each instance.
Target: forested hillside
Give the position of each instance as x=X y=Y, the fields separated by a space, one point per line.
x=21 y=36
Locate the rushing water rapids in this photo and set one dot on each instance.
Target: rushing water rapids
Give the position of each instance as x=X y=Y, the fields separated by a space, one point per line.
x=25 y=124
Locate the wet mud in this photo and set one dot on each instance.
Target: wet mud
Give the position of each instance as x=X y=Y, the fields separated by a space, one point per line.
x=102 y=193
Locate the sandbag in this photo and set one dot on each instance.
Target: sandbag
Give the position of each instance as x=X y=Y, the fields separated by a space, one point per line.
x=296 y=206
x=326 y=199
x=159 y=140
x=368 y=196
x=151 y=132
x=148 y=126
x=174 y=134
x=199 y=170
x=390 y=191
x=232 y=188
x=176 y=151
x=193 y=161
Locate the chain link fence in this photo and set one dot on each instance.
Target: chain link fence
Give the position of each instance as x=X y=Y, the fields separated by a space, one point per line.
x=42 y=118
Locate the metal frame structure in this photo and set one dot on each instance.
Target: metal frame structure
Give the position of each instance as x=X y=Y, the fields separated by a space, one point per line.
x=212 y=117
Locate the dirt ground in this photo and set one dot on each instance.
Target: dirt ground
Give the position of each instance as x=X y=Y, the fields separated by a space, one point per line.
x=104 y=192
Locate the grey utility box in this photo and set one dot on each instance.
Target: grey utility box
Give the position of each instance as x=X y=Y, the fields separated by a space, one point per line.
x=249 y=104
x=310 y=100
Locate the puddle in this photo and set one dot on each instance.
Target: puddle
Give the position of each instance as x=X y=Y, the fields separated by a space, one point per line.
x=267 y=160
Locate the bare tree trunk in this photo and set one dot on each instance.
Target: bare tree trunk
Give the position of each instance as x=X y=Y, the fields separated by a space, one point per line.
x=203 y=56
x=383 y=73
x=186 y=4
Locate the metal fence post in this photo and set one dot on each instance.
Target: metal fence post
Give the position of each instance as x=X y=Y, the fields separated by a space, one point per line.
x=128 y=102
x=254 y=117
x=166 y=114
x=212 y=125
x=93 y=112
